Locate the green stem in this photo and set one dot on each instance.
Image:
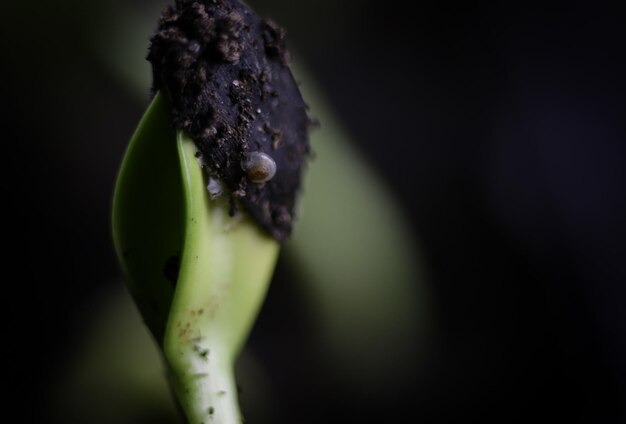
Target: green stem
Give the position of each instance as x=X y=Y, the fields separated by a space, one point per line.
x=226 y=267
x=207 y=388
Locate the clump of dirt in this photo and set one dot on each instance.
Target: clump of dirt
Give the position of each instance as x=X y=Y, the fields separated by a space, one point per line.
x=225 y=72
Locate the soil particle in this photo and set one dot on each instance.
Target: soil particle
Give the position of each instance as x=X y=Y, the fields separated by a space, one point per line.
x=225 y=73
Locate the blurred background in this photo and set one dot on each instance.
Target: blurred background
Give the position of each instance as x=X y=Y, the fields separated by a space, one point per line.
x=461 y=255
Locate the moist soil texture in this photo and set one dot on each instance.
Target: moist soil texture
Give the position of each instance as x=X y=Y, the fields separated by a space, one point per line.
x=225 y=72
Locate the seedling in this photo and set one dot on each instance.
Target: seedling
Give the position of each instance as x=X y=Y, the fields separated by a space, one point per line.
x=207 y=192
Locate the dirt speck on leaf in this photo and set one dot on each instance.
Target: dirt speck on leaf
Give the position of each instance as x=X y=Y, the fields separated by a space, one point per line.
x=171 y=268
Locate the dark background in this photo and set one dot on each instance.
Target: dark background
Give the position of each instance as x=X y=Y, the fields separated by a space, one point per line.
x=501 y=130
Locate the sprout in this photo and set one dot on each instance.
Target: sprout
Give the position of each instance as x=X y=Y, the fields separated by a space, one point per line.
x=221 y=78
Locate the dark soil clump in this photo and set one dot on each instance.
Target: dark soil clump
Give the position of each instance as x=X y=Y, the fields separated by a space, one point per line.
x=225 y=73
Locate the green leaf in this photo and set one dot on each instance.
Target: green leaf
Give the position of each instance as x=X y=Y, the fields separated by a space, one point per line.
x=148 y=210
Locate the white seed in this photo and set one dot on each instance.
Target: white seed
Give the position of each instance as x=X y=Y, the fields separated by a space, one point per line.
x=259 y=167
